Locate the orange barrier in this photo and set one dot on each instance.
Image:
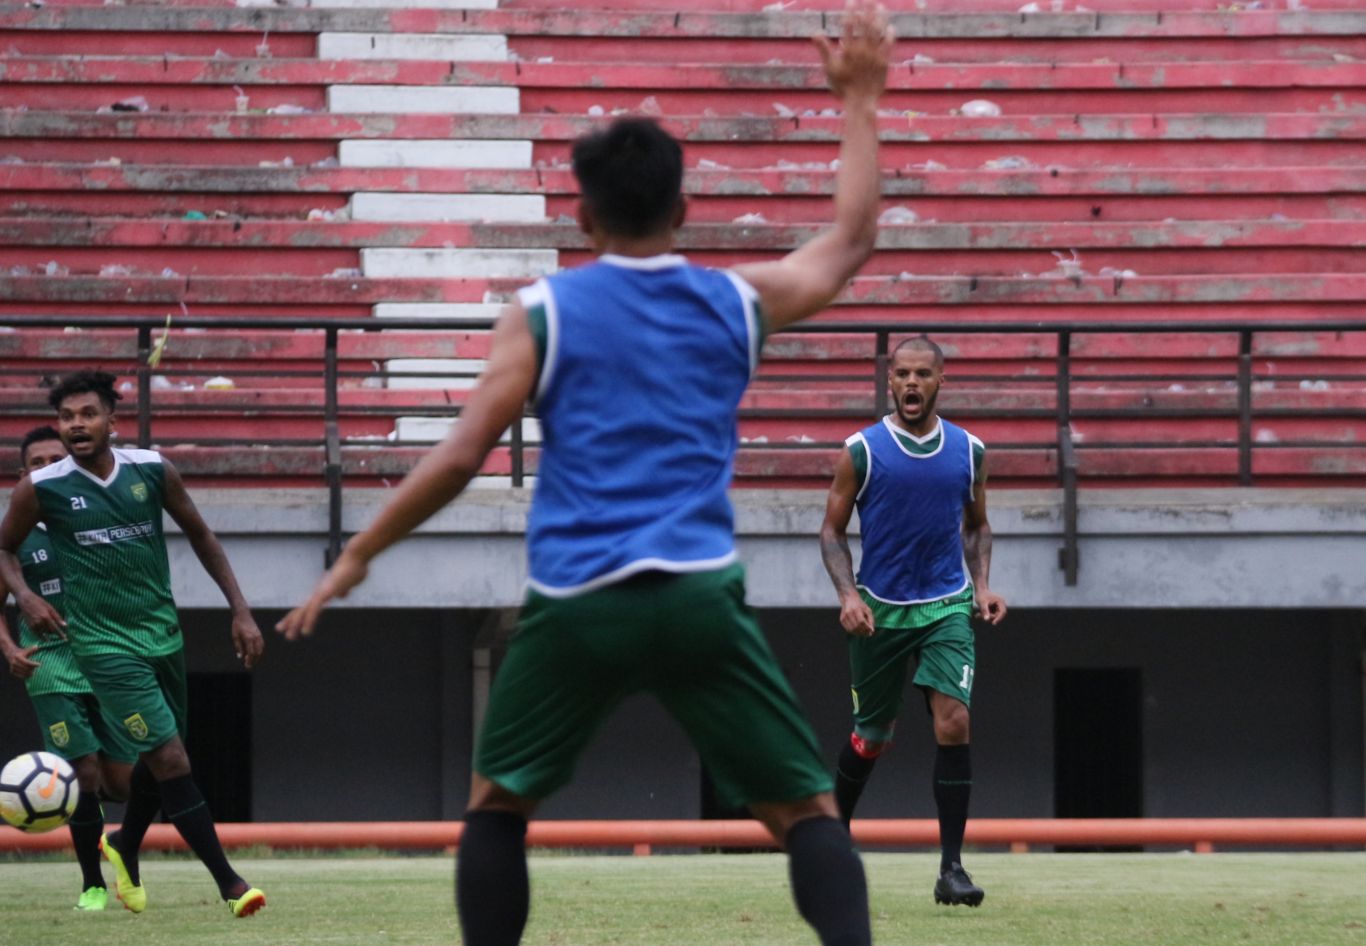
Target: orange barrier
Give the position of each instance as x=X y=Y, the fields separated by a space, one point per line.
x=642 y=836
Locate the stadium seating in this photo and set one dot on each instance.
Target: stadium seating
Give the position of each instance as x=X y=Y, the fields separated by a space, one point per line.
x=1140 y=163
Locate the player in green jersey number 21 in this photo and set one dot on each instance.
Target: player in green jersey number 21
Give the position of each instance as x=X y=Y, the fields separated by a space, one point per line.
x=102 y=507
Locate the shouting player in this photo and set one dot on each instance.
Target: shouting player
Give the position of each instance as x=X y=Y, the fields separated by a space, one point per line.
x=919 y=483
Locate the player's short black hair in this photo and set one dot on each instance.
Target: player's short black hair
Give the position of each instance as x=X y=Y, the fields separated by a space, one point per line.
x=36 y=435
x=85 y=381
x=630 y=175
x=921 y=343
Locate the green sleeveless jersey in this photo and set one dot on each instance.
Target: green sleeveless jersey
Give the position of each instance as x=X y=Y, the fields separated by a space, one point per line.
x=111 y=549
x=57 y=671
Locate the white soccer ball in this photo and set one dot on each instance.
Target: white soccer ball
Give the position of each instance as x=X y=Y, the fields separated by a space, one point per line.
x=38 y=792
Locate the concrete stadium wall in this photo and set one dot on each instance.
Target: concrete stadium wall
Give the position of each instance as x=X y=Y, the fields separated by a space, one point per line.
x=1167 y=548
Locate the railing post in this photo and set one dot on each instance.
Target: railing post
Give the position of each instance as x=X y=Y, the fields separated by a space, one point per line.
x=880 y=404
x=1069 y=554
x=1245 y=408
x=332 y=469
x=144 y=375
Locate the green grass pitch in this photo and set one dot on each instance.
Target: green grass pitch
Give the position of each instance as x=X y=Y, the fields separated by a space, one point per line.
x=589 y=900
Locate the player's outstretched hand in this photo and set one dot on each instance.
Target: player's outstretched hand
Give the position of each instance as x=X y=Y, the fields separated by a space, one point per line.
x=855 y=616
x=346 y=573
x=247 y=641
x=45 y=620
x=20 y=666
x=857 y=68
x=991 y=606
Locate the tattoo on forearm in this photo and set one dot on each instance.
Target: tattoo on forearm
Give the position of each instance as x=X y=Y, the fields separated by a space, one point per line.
x=977 y=550
x=839 y=562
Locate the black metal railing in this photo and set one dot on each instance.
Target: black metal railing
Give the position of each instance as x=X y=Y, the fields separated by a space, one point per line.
x=39 y=347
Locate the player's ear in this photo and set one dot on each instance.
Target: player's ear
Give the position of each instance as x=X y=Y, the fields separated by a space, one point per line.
x=680 y=212
x=585 y=217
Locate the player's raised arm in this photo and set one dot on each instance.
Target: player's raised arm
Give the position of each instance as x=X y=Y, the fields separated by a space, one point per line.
x=20 y=519
x=495 y=404
x=977 y=552
x=808 y=279
x=855 y=615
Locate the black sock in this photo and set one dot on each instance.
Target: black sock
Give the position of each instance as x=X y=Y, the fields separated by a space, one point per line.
x=144 y=801
x=828 y=882
x=952 y=788
x=87 y=824
x=851 y=775
x=492 y=892
x=186 y=809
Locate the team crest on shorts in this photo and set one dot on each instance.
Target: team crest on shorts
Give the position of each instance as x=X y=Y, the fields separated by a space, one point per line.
x=139 y=491
x=60 y=735
x=137 y=726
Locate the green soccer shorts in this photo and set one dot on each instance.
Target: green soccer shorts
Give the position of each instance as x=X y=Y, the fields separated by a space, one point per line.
x=145 y=696
x=688 y=639
x=75 y=725
x=946 y=659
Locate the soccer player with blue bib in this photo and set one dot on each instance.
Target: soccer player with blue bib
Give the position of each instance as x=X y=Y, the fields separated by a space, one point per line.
x=919 y=483
x=75 y=726
x=637 y=363
x=102 y=507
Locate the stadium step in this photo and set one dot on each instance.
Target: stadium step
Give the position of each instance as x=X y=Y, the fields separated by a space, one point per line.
x=409 y=248
x=674 y=24
x=170 y=126
x=1151 y=182
x=769 y=238
x=97 y=71
x=863 y=292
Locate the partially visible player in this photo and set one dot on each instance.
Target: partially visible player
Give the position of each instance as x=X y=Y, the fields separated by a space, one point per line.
x=919 y=483
x=103 y=511
x=74 y=725
x=637 y=362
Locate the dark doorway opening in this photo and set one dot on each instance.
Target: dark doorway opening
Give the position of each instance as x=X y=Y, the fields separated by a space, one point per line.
x=219 y=742
x=1098 y=745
